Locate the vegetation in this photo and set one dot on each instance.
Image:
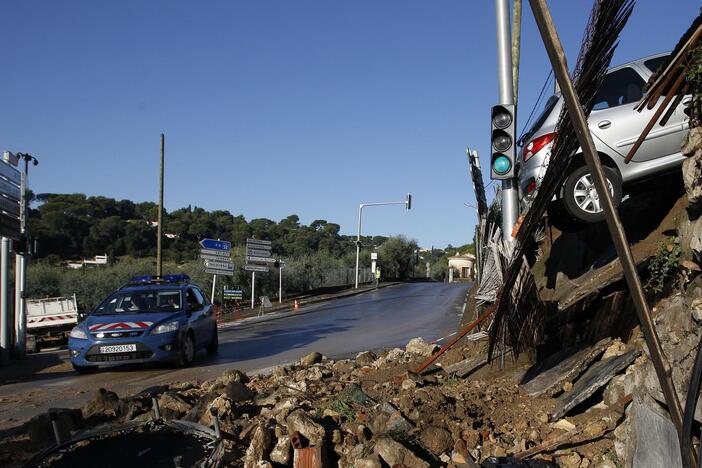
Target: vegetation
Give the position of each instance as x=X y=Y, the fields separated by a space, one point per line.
x=663 y=267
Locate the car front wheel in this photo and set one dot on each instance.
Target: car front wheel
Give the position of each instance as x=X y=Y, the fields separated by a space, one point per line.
x=580 y=198
x=187 y=351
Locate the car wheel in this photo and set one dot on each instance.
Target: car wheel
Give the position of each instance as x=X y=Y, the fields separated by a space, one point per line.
x=85 y=369
x=580 y=197
x=187 y=351
x=214 y=343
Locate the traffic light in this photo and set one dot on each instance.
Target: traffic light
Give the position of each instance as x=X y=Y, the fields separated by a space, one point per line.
x=503 y=142
x=408 y=201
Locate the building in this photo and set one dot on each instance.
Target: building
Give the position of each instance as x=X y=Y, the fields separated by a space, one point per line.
x=461 y=267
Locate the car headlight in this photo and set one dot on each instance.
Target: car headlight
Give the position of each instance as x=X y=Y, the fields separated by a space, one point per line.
x=166 y=327
x=78 y=332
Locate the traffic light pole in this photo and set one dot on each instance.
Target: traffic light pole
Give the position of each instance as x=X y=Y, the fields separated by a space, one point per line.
x=510 y=196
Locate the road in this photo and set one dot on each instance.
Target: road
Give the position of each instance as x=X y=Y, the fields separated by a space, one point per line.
x=380 y=319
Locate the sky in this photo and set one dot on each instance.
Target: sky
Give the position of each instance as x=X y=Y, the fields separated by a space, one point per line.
x=275 y=107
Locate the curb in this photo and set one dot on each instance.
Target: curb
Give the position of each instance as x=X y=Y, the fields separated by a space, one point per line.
x=292 y=313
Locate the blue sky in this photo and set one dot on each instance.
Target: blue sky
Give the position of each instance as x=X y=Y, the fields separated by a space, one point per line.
x=278 y=107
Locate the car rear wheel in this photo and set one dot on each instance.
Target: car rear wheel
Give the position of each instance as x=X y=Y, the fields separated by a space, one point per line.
x=214 y=343
x=85 y=369
x=580 y=197
x=187 y=351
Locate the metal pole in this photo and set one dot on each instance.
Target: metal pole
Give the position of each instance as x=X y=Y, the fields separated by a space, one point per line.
x=5 y=335
x=280 y=284
x=214 y=282
x=159 y=255
x=20 y=349
x=358 y=242
x=560 y=69
x=510 y=196
x=516 y=46
x=253 y=288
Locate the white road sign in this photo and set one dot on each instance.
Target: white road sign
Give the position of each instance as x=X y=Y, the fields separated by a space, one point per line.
x=254 y=242
x=256 y=268
x=9 y=189
x=10 y=172
x=219 y=265
x=258 y=252
x=216 y=258
x=214 y=271
x=10 y=206
x=252 y=259
x=216 y=253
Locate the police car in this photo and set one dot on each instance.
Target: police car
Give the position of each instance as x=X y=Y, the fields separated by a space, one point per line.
x=150 y=319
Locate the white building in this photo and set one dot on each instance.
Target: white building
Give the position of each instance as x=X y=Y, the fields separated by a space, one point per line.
x=461 y=266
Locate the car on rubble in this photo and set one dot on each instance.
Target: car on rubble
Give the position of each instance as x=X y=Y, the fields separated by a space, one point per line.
x=150 y=319
x=615 y=126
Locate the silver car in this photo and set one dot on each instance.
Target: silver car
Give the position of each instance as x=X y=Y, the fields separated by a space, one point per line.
x=615 y=127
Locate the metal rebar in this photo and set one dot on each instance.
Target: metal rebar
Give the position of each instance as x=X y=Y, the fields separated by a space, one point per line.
x=54 y=425
x=159 y=234
x=575 y=112
x=215 y=422
x=157 y=410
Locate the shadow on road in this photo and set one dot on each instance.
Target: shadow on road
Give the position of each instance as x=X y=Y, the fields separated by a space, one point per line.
x=35 y=367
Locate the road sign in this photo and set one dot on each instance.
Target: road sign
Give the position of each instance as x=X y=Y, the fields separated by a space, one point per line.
x=258 y=252
x=257 y=268
x=214 y=271
x=215 y=244
x=255 y=242
x=374 y=255
x=216 y=253
x=9 y=227
x=233 y=294
x=10 y=206
x=251 y=259
x=216 y=258
x=10 y=172
x=9 y=189
x=219 y=265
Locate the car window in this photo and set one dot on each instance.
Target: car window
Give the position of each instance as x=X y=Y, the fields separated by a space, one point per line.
x=655 y=63
x=195 y=299
x=137 y=301
x=619 y=87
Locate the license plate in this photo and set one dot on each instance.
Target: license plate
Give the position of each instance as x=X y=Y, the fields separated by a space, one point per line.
x=123 y=348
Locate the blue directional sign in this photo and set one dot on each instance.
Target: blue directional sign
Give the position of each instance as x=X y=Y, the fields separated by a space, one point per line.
x=215 y=244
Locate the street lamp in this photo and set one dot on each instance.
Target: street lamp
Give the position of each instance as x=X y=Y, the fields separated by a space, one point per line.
x=408 y=205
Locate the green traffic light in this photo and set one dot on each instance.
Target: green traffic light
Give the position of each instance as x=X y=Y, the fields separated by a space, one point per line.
x=501 y=165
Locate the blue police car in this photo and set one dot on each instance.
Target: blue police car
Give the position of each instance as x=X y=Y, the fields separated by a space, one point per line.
x=150 y=319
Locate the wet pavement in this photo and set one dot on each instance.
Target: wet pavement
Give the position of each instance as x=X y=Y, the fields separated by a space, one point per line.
x=379 y=319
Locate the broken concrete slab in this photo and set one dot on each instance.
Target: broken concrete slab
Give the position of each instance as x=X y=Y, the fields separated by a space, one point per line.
x=394 y=453
x=653 y=440
x=595 y=377
x=572 y=364
x=464 y=368
x=390 y=419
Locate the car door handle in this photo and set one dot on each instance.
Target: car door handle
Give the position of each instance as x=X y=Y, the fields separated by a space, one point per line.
x=604 y=124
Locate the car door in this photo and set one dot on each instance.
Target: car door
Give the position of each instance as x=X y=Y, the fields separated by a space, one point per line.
x=198 y=316
x=617 y=124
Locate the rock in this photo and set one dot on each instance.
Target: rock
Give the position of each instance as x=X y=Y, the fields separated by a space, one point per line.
x=354 y=394
x=312 y=358
x=617 y=348
x=408 y=384
x=200 y=410
x=564 y=424
x=282 y=452
x=299 y=421
x=436 y=439
x=653 y=440
x=420 y=347
x=312 y=374
x=367 y=462
x=237 y=391
x=104 y=405
x=696 y=308
x=389 y=419
x=394 y=453
x=395 y=354
x=134 y=406
x=571 y=460
x=259 y=447
x=465 y=367
x=696 y=234
x=172 y=406
x=366 y=358
x=183 y=386
x=40 y=429
x=692 y=172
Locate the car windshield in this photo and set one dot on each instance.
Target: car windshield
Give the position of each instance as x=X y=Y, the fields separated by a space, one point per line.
x=138 y=301
x=548 y=108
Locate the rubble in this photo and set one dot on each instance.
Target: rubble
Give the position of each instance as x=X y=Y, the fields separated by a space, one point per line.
x=420 y=347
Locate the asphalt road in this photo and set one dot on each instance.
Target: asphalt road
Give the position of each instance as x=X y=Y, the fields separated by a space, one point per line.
x=385 y=318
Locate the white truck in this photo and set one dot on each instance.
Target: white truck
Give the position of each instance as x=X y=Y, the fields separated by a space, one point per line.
x=49 y=321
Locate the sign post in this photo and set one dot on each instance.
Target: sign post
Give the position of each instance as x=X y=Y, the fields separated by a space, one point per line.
x=258 y=257
x=9 y=229
x=217 y=256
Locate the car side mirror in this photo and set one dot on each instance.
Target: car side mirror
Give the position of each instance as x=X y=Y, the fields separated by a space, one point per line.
x=194 y=307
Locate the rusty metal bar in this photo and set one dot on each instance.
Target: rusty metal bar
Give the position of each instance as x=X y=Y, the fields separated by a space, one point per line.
x=560 y=68
x=488 y=312
x=656 y=115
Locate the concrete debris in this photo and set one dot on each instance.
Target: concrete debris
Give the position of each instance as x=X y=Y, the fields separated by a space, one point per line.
x=394 y=453
x=594 y=378
x=652 y=438
x=366 y=358
x=282 y=452
x=420 y=347
x=463 y=368
x=390 y=419
x=300 y=421
x=103 y=406
x=311 y=359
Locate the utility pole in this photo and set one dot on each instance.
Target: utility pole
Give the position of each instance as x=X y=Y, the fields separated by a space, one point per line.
x=510 y=196
x=281 y=264
x=159 y=253
x=5 y=335
x=253 y=289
